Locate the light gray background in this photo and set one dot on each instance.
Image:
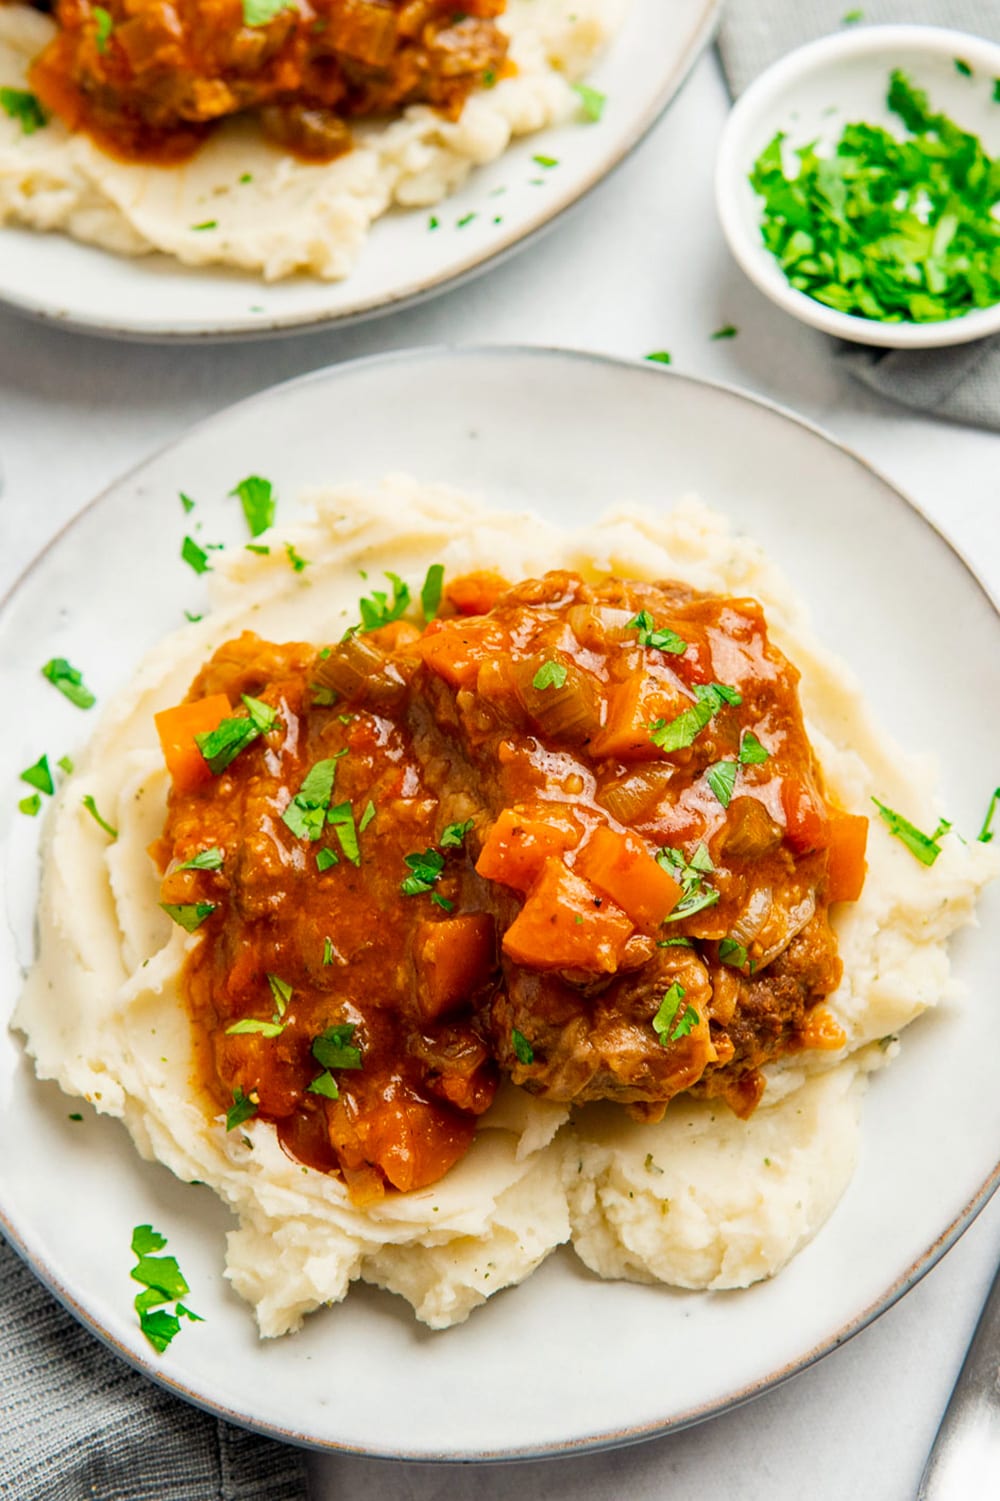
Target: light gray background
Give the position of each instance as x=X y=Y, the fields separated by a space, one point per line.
x=641 y=266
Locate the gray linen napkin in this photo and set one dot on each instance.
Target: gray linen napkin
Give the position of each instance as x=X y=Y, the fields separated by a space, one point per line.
x=77 y=1422
x=962 y=383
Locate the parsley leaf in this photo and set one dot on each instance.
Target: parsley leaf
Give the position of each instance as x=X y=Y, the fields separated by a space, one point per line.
x=549 y=675
x=523 y=1050
x=334 y=1048
x=22 y=106
x=324 y=1084
x=327 y=950
x=242 y=1109
x=261 y=12
x=104 y=27
x=679 y=733
x=924 y=847
x=188 y=915
x=752 y=753
x=251 y=1024
x=662 y=640
x=659 y=357
x=297 y=562
x=32 y=805
x=186 y=502
x=454 y=834
x=306 y=813
x=221 y=746
x=666 y=1024
x=196 y=557
x=986 y=832
x=91 y=807
x=722 y=779
x=546 y=161
x=366 y=816
x=425 y=869
x=430 y=593
x=39 y=776
x=696 y=893
x=325 y=860
x=727 y=331
x=163 y=1282
x=282 y=992
x=341 y=820
x=733 y=953
x=256 y=496
x=210 y=859
x=377 y=609
x=592 y=101
x=69 y=681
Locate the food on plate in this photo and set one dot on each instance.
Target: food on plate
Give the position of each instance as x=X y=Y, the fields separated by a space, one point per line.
x=269 y=136
x=882 y=226
x=521 y=900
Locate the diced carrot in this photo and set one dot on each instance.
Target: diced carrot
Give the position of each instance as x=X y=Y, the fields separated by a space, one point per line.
x=521 y=841
x=453 y=958
x=622 y=867
x=846 y=866
x=806 y=824
x=396 y=636
x=475 y=593
x=821 y=1031
x=566 y=924
x=632 y=706
x=177 y=728
x=456 y=649
x=412 y=1141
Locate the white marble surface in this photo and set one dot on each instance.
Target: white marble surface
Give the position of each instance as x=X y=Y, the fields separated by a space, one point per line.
x=640 y=266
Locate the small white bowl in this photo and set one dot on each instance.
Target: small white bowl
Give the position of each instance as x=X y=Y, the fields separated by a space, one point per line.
x=811 y=95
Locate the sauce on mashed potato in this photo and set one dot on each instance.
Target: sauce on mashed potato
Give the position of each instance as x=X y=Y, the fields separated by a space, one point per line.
x=570 y=833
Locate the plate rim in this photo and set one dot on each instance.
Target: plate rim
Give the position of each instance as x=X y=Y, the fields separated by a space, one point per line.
x=476 y=263
x=616 y=1437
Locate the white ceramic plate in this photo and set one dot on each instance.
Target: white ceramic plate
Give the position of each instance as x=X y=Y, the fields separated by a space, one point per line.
x=155 y=297
x=564 y=1361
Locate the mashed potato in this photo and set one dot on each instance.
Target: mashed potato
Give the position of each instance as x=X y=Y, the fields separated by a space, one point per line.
x=701 y=1200
x=287 y=216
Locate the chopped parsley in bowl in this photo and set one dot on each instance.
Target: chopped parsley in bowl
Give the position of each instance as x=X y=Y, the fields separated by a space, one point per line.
x=858 y=184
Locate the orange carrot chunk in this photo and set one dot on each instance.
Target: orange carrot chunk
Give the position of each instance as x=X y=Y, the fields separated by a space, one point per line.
x=846 y=865
x=521 y=841
x=632 y=707
x=621 y=867
x=807 y=826
x=567 y=924
x=456 y=649
x=475 y=593
x=820 y=1030
x=177 y=728
x=453 y=958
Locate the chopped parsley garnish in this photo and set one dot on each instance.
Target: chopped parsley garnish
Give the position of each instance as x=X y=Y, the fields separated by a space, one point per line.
x=378 y=610
x=961 y=66
x=188 y=915
x=256 y=496
x=324 y=698
x=341 y=820
x=186 y=502
x=210 y=859
x=32 y=805
x=366 y=817
x=546 y=161
x=670 y=943
x=91 y=807
x=223 y=744
x=884 y=227
x=727 y=331
x=65 y=764
x=164 y=1283
x=324 y=1084
x=752 y=753
x=282 y=993
x=425 y=869
x=454 y=834
x=69 y=681
x=663 y=639
x=206 y=224
x=297 y=561
x=677 y=734
x=733 y=953
x=722 y=779
x=335 y=1048
x=592 y=101
x=549 y=675
x=242 y=1109
x=465 y=219
x=325 y=860
x=434 y=222
x=659 y=357
x=104 y=27
x=190 y=615
x=306 y=813
x=522 y=1047
x=252 y=1024
x=327 y=950
x=258 y=548
x=430 y=592
x=39 y=776
x=925 y=847
x=22 y=106
x=196 y=557
x=851 y=17
x=986 y=832
x=696 y=893
x=260 y=12
x=668 y=1026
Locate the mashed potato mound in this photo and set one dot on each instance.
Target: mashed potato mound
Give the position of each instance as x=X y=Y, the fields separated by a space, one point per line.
x=288 y=216
x=701 y=1200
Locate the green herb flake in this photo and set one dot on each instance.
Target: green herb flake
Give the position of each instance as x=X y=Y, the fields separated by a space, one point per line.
x=192 y=617
x=377 y=609
x=454 y=834
x=324 y=1084
x=679 y=733
x=327 y=950
x=465 y=219
x=986 y=832
x=668 y=1026
x=546 y=161
x=733 y=953
x=592 y=101
x=325 y=860
x=206 y=224
x=31 y=806
x=752 y=753
x=425 y=869
x=105 y=25
x=335 y=1047
x=996 y=91
x=430 y=592
x=69 y=681
x=39 y=776
x=282 y=992
x=663 y=639
x=188 y=915
x=925 y=847
x=434 y=222
x=659 y=357
x=22 y=106
x=163 y=1282
x=852 y=17
x=549 y=675
x=246 y=177
x=210 y=859
x=65 y=764
x=722 y=779
x=696 y=893
x=306 y=813
x=242 y=1109
x=727 y=331
x=75 y=1116
x=523 y=1050
x=961 y=66
x=251 y=1025
x=196 y=557
x=221 y=746
x=256 y=496
x=670 y=943
x=297 y=561
x=91 y=807
x=341 y=820
x=366 y=817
